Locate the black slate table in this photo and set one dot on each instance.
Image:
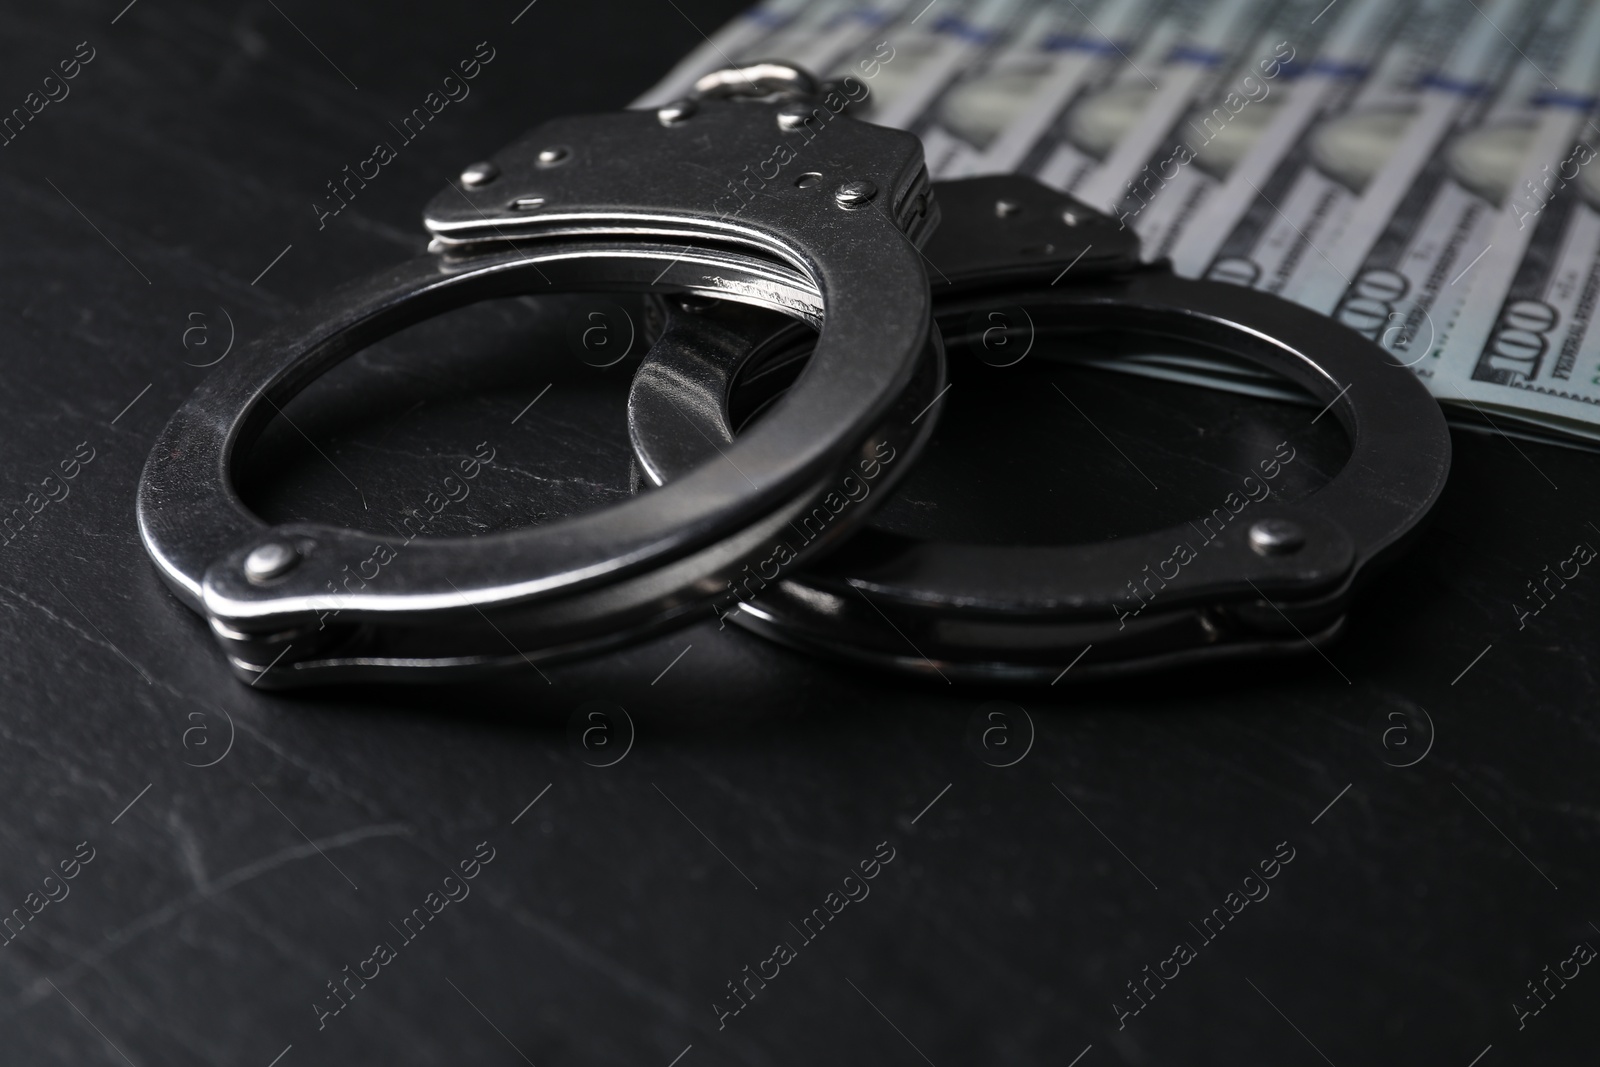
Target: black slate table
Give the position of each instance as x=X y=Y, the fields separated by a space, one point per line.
x=282 y=879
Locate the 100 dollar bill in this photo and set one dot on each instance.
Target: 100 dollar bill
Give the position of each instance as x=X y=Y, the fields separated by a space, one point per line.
x=1339 y=231
x=1525 y=341
x=1106 y=140
x=988 y=121
x=1326 y=139
x=1254 y=89
x=1414 y=282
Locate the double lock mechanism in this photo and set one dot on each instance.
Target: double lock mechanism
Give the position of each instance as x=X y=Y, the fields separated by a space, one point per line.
x=795 y=378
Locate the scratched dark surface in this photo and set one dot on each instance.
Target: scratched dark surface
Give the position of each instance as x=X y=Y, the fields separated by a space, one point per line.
x=615 y=910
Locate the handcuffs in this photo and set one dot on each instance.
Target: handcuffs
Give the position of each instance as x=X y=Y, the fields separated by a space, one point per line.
x=628 y=201
x=1279 y=581
x=784 y=240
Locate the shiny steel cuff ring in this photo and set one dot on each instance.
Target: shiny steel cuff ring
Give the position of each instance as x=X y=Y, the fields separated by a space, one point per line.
x=708 y=198
x=1276 y=579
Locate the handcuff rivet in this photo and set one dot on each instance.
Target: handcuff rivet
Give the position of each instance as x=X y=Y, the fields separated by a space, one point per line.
x=855 y=194
x=1274 y=537
x=479 y=174
x=269 y=560
x=677 y=111
x=1006 y=208
x=793 y=116
x=1069 y=217
x=553 y=157
x=527 y=203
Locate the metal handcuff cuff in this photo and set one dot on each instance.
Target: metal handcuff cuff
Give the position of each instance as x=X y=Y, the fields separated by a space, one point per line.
x=624 y=201
x=1279 y=581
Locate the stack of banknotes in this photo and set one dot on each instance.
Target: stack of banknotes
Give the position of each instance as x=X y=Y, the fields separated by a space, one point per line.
x=1418 y=170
